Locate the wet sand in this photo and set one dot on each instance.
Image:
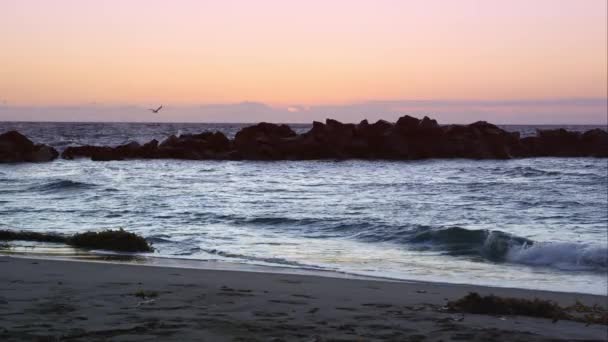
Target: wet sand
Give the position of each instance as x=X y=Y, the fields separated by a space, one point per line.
x=52 y=300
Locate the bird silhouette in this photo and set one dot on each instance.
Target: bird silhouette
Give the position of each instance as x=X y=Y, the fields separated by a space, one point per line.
x=155 y=111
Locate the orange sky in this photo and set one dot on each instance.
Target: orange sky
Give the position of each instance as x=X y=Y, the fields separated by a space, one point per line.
x=283 y=53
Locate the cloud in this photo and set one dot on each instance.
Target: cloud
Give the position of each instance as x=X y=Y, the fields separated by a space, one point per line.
x=557 y=111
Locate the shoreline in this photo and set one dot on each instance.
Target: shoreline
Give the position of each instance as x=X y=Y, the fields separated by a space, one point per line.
x=134 y=259
x=76 y=300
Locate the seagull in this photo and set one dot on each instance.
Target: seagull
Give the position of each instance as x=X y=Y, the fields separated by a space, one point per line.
x=155 y=111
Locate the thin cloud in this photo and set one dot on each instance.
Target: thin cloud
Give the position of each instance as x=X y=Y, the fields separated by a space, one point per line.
x=544 y=111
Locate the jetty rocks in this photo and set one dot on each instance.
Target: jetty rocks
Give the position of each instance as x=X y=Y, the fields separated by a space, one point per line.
x=407 y=139
x=15 y=148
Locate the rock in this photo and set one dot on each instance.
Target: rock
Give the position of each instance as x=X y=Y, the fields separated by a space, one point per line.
x=364 y=123
x=408 y=138
x=87 y=151
x=407 y=123
x=149 y=149
x=206 y=145
x=428 y=124
x=485 y=128
x=559 y=143
x=15 y=147
x=218 y=141
x=595 y=142
x=262 y=141
x=16 y=141
x=340 y=140
x=43 y=153
x=264 y=129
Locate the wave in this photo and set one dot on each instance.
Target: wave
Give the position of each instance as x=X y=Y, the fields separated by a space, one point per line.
x=482 y=244
x=562 y=255
x=263 y=260
x=62 y=185
x=159 y=238
x=498 y=246
x=532 y=172
x=273 y=221
x=527 y=171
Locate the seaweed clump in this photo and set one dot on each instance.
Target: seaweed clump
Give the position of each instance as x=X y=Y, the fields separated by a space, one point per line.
x=116 y=240
x=143 y=294
x=9 y=235
x=494 y=305
x=113 y=240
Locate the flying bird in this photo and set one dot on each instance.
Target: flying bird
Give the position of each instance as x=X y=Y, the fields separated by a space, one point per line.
x=155 y=111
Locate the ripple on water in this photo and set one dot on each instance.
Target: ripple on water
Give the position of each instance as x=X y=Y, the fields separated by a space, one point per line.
x=500 y=222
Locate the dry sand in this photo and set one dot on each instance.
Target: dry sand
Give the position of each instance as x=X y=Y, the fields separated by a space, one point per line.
x=49 y=300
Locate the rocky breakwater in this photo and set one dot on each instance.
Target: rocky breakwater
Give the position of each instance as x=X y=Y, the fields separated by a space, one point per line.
x=15 y=148
x=408 y=138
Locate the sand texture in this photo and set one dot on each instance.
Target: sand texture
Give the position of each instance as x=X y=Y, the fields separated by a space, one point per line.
x=51 y=300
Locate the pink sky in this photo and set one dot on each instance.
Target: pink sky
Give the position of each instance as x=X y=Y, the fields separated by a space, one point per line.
x=299 y=58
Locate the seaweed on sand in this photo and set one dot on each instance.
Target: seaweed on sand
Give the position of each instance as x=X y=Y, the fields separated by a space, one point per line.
x=494 y=305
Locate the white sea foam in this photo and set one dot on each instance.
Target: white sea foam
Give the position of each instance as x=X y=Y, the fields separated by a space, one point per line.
x=562 y=255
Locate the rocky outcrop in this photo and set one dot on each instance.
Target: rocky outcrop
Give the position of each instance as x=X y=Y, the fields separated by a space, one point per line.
x=15 y=147
x=263 y=141
x=562 y=143
x=206 y=145
x=408 y=138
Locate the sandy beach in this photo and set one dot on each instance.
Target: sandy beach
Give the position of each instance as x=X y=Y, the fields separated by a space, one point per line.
x=56 y=300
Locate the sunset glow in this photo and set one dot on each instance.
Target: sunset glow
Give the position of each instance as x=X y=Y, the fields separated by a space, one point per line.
x=299 y=53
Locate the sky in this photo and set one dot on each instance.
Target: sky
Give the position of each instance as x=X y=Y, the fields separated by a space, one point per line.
x=517 y=61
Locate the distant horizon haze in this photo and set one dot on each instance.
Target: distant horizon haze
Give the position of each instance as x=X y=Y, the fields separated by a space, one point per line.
x=525 y=112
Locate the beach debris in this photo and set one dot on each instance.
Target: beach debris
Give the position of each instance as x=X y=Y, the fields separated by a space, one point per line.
x=114 y=240
x=12 y=235
x=494 y=305
x=145 y=294
x=476 y=304
x=117 y=240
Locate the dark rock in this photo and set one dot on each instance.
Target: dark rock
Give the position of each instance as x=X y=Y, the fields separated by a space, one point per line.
x=42 y=153
x=206 y=145
x=87 y=151
x=595 y=142
x=15 y=147
x=485 y=128
x=559 y=143
x=219 y=142
x=408 y=138
x=407 y=123
x=427 y=124
x=17 y=141
x=262 y=141
x=149 y=149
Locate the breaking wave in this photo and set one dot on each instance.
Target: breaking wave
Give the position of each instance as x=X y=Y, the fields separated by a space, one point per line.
x=498 y=246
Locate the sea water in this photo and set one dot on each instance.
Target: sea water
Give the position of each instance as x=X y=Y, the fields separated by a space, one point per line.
x=528 y=223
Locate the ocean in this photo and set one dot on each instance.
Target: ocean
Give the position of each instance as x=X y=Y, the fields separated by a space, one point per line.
x=539 y=223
